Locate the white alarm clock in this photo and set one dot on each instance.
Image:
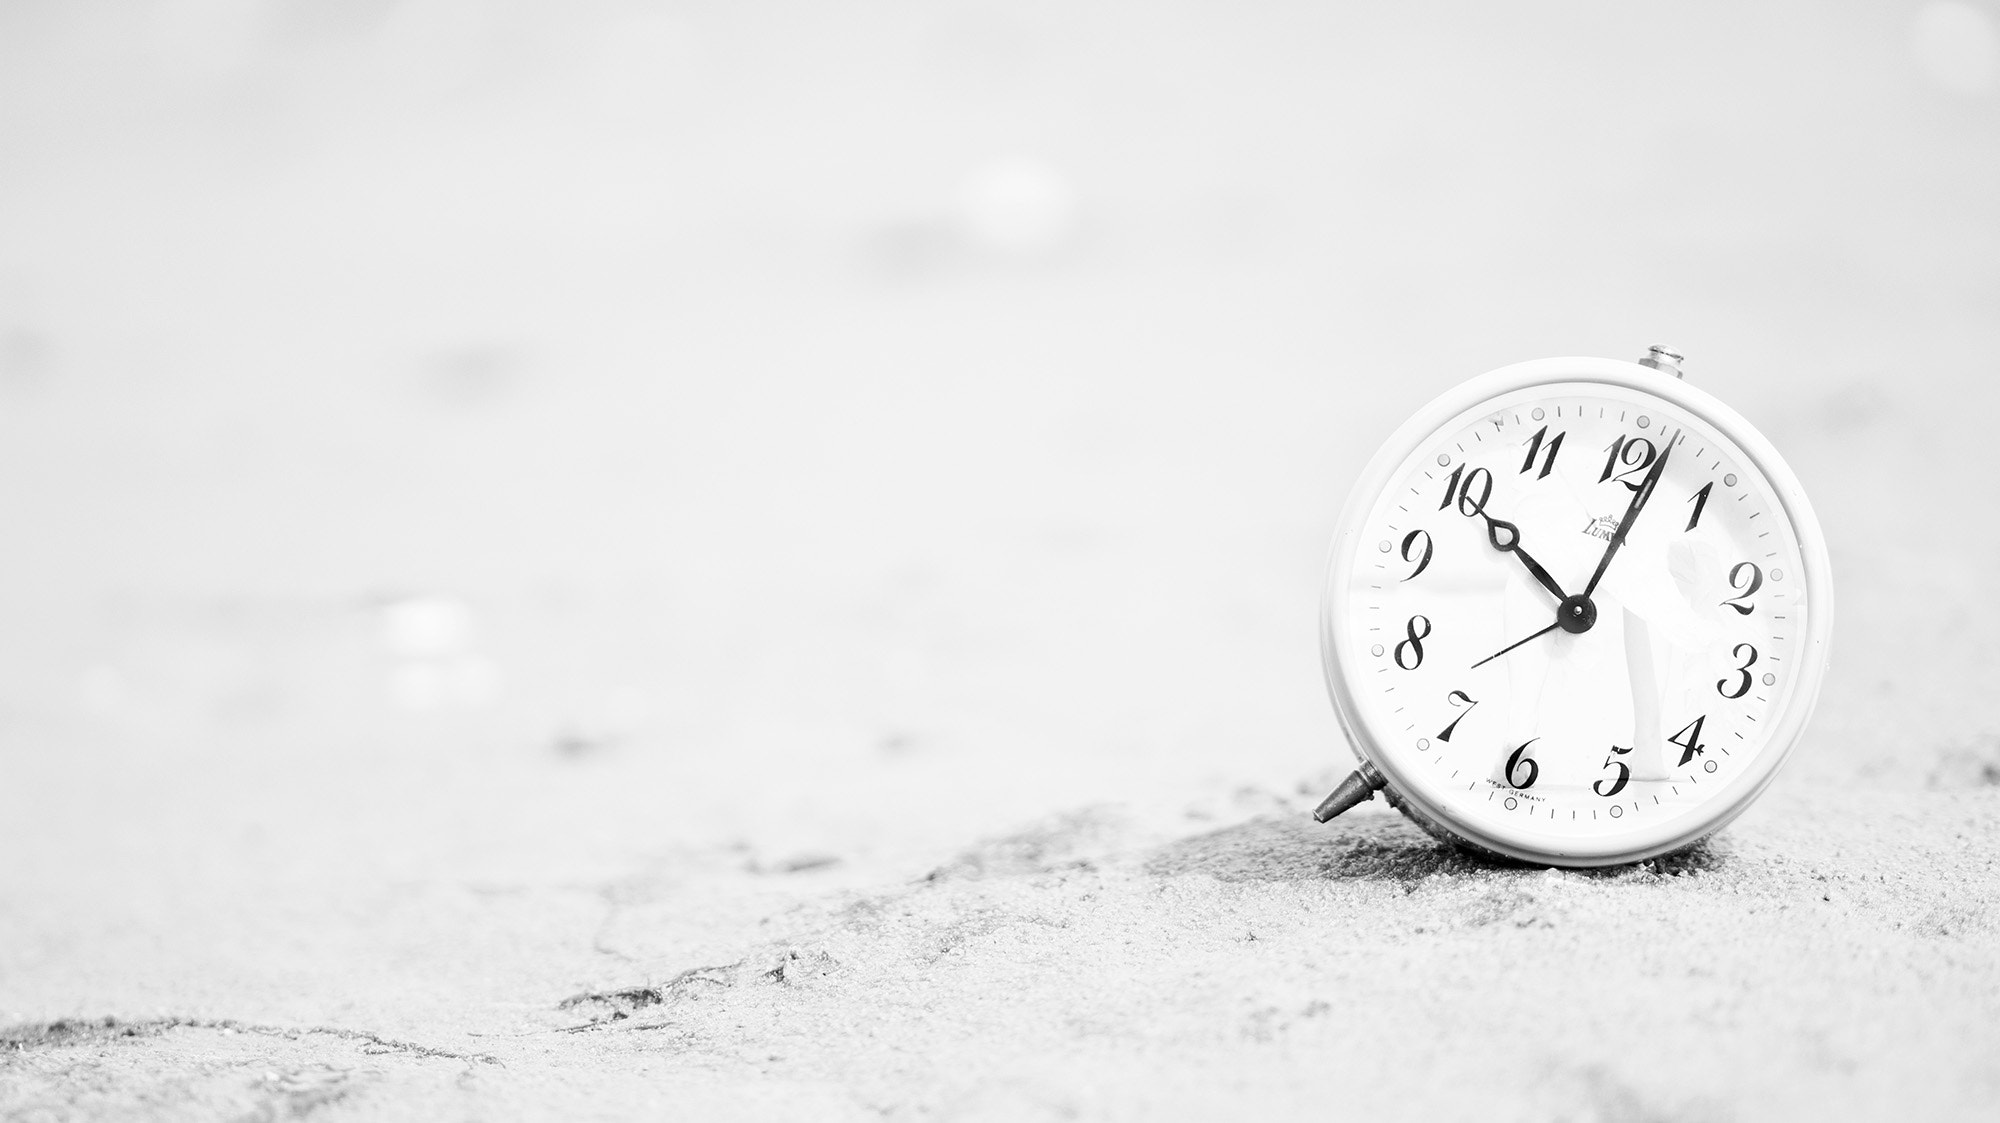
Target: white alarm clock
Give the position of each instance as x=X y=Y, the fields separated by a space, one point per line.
x=1577 y=614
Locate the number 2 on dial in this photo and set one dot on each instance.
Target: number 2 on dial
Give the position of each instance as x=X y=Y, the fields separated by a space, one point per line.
x=1749 y=585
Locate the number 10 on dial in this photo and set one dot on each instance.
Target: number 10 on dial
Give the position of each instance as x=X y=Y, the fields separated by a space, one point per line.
x=1577 y=614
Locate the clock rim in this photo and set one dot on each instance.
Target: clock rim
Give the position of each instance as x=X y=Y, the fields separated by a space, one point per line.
x=1423 y=427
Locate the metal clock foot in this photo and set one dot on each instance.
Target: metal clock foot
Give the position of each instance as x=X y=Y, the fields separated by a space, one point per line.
x=1358 y=788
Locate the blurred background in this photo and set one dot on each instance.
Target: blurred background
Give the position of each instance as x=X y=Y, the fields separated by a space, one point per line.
x=508 y=441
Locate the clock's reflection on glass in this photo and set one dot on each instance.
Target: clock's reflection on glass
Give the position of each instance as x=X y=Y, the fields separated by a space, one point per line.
x=1575 y=610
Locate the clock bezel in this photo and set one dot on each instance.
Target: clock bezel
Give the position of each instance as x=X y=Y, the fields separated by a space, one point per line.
x=1423 y=427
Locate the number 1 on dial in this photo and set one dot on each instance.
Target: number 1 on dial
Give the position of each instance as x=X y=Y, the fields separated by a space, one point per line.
x=1700 y=500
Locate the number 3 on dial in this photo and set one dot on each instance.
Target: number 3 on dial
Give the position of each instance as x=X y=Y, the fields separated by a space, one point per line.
x=1742 y=685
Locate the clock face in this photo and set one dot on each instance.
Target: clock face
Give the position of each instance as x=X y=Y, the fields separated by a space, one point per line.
x=1573 y=622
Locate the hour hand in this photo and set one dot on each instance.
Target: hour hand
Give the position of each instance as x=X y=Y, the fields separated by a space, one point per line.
x=1506 y=538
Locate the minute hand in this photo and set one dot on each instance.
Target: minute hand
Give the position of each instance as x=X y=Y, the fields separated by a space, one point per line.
x=1639 y=499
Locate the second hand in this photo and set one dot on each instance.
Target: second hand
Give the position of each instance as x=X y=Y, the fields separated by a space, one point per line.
x=1517 y=643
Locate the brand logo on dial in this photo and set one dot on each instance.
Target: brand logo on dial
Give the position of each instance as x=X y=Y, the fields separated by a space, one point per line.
x=1603 y=526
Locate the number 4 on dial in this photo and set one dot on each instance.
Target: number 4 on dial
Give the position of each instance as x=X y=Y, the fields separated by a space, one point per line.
x=1691 y=747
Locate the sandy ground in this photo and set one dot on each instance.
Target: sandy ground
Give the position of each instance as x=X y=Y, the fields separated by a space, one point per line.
x=547 y=584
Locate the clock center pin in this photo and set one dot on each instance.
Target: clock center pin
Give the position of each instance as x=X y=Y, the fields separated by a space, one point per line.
x=1576 y=614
